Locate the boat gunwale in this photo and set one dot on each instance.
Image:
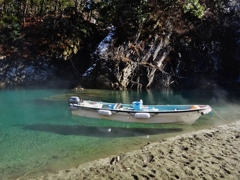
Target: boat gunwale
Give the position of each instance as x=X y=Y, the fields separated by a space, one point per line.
x=140 y=111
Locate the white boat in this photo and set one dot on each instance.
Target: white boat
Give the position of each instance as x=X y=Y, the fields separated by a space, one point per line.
x=137 y=112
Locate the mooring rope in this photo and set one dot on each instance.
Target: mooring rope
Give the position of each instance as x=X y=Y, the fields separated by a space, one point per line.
x=219 y=115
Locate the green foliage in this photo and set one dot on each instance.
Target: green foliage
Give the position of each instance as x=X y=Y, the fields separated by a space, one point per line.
x=10 y=28
x=67 y=33
x=126 y=15
x=59 y=22
x=69 y=25
x=194 y=7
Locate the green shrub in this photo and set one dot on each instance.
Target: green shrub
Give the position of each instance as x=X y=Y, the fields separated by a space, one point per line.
x=194 y=7
x=10 y=28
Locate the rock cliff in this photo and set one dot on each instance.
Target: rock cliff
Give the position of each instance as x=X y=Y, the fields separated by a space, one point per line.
x=180 y=51
x=170 y=48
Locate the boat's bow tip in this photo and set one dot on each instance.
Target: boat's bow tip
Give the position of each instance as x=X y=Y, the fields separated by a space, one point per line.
x=206 y=110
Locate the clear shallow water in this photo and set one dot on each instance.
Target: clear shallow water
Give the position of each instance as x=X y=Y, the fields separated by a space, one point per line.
x=38 y=134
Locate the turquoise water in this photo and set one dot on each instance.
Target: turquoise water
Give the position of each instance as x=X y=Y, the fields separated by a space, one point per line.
x=39 y=135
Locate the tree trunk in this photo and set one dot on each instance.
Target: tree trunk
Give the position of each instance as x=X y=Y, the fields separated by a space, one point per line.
x=41 y=8
x=25 y=12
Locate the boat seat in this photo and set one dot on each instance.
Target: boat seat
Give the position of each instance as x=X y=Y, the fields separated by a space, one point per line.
x=118 y=106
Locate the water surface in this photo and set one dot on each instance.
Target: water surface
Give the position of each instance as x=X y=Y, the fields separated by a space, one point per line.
x=39 y=135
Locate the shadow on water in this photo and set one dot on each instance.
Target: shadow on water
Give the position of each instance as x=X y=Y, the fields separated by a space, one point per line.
x=106 y=132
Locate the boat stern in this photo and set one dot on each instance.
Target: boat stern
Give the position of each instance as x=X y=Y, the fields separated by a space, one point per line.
x=74 y=100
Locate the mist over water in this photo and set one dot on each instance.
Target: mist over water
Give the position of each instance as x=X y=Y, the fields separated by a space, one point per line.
x=39 y=135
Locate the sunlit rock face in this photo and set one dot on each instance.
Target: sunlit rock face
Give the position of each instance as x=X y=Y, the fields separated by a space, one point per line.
x=182 y=53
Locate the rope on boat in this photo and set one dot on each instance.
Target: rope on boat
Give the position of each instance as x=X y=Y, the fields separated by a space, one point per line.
x=219 y=115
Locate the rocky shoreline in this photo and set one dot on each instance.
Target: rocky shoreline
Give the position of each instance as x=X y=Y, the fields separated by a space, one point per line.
x=205 y=154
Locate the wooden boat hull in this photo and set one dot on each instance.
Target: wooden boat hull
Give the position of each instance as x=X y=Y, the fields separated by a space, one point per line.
x=137 y=112
x=176 y=117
